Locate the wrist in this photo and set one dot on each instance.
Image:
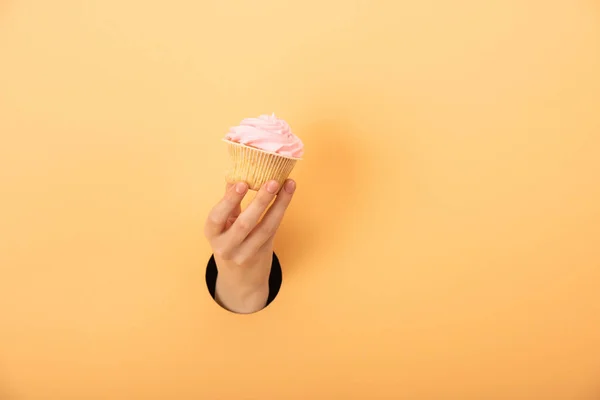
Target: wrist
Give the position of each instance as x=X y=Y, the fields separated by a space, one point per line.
x=241 y=297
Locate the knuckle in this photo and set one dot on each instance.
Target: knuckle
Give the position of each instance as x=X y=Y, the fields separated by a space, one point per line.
x=284 y=201
x=225 y=206
x=264 y=199
x=243 y=224
x=230 y=198
x=223 y=253
x=240 y=259
x=213 y=219
x=269 y=229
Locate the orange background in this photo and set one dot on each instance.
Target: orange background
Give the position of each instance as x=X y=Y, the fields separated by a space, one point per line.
x=443 y=242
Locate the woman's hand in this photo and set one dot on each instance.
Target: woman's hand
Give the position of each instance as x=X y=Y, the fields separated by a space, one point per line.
x=242 y=243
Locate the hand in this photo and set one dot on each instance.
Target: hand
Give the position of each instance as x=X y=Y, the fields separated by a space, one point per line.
x=242 y=243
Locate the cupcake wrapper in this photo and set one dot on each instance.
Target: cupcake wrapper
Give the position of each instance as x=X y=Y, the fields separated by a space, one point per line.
x=257 y=167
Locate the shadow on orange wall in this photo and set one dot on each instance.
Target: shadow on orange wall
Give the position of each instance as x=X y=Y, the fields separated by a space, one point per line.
x=334 y=159
x=343 y=164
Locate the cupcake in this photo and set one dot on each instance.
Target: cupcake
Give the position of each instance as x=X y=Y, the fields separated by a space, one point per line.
x=262 y=149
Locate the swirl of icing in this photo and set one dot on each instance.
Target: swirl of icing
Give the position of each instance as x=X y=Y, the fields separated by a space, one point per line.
x=267 y=133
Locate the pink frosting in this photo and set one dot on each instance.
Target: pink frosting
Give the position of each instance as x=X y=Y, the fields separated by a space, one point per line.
x=268 y=133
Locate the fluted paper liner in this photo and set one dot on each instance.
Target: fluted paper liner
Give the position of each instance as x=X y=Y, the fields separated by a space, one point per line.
x=256 y=167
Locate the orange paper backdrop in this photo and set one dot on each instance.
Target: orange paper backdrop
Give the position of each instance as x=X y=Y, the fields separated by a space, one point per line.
x=444 y=242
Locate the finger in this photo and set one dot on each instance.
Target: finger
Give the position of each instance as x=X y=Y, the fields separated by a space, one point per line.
x=237 y=210
x=218 y=216
x=266 y=229
x=248 y=219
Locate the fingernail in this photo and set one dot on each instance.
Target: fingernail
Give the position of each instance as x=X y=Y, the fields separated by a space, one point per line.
x=241 y=188
x=290 y=186
x=272 y=187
